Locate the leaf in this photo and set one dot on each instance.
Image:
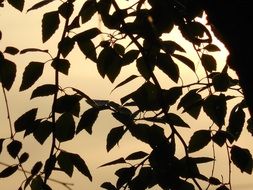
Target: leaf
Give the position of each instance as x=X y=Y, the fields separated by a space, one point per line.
x=87 y=35
x=241 y=158
x=108 y=186
x=38 y=184
x=222 y=187
x=176 y=120
x=50 y=24
x=130 y=57
x=43 y=131
x=216 y=108
x=87 y=11
x=11 y=50
x=80 y=164
x=220 y=137
x=236 y=122
x=7 y=73
x=49 y=165
x=65 y=127
x=167 y=65
x=17 y=4
x=199 y=140
x=24 y=121
x=192 y=103
x=109 y=63
x=44 y=90
x=66 y=9
x=87 y=120
x=189 y=63
x=66 y=45
x=14 y=148
x=32 y=73
x=33 y=50
x=87 y=47
x=1 y=145
x=24 y=157
x=208 y=62
x=64 y=160
x=172 y=95
x=221 y=82
x=36 y=168
x=201 y=160
x=211 y=48
x=8 y=171
x=144 y=67
x=114 y=137
x=68 y=103
x=40 y=4
x=127 y=80
x=170 y=47
x=114 y=162
x=214 y=181
x=61 y=65
x=125 y=175
x=137 y=155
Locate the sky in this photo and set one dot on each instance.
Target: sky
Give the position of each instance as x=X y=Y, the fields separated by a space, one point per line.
x=23 y=30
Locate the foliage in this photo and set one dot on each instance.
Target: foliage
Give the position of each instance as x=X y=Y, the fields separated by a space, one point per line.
x=144 y=113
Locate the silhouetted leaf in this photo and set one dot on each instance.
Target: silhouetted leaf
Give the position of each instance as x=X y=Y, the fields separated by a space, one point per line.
x=172 y=95
x=222 y=187
x=36 y=168
x=88 y=49
x=32 y=73
x=125 y=175
x=24 y=121
x=24 y=157
x=147 y=97
x=61 y=65
x=87 y=35
x=68 y=103
x=14 y=148
x=50 y=24
x=199 y=140
x=11 y=50
x=114 y=137
x=208 y=62
x=66 y=45
x=43 y=131
x=130 y=57
x=176 y=120
x=250 y=126
x=49 y=165
x=17 y=4
x=33 y=50
x=170 y=47
x=167 y=65
x=114 y=162
x=66 y=9
x=65 y=127
x=80 y=164
x=241 y=158
x=201 y=160
x=7 y=72
x=212 y=48
x=64 y=160
x=1 y=145
x=136 y=155
x=8 y=171
x=44 y=90
x=189 y=63
x=216 y=108
x=220 y=137
x=38 y=184
x=191 y=102
x=109 y=63
x=87 y=120
x=144 y=67
x=236 y=122
x=127 y=80
x=108 y=186
x=88 y=10
x=214 y=181
x=40 y=4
